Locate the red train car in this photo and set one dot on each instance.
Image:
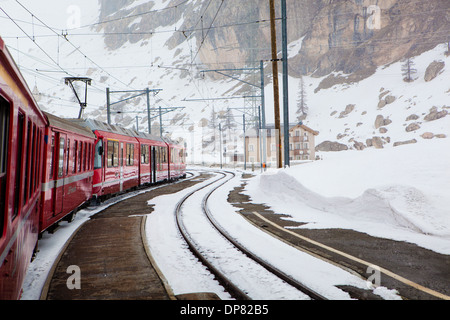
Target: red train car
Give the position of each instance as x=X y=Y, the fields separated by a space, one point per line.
x=177 y=156
x=153 y=166
x=116 y=159
x=68 y=170
x=22 y=127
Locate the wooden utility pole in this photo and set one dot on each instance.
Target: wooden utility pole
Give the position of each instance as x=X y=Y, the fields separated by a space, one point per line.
x=276 y=87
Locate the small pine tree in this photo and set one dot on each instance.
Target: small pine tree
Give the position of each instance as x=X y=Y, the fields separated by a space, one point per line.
x=408 y=70
x=302 y=107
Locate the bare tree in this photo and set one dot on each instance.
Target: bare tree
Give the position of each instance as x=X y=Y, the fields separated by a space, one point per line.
x=408 y=70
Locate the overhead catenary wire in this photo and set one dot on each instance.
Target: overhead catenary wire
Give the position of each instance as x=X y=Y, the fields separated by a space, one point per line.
x=33 y=40
x=76 y=48
x=209 y=29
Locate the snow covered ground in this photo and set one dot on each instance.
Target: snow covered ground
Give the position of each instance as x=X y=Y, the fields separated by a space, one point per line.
x=186 y=276
x=397 y=193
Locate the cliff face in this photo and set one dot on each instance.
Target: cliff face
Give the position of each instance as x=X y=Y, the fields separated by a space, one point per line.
x=352 y=36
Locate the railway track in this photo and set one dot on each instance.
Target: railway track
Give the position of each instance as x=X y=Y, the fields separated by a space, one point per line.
x=210 y=243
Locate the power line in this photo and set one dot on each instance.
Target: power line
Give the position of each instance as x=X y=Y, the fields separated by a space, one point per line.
x=31 y=38
x=76 y=48
x=209 y=29
x=131 y=16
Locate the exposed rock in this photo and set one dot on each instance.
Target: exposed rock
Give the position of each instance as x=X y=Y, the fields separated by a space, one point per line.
x=433 y=70
x=435 y=114
x=347 y=111
x=377 y=142
x=390 y=99
x=440 y=136
x=427 y=135
x=380 y=121
x=384 y=102
x=341 y=136
x=396 y=144
x=382 y=94
x=359 y=145
x=383 y=130
x=328 y=146
x=413 y=127
x=381 y=104
x=412 y=117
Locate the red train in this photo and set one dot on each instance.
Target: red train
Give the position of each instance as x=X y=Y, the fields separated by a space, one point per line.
x=50 y=167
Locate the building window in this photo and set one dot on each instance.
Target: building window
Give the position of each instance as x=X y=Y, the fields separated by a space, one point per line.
x=251 y=147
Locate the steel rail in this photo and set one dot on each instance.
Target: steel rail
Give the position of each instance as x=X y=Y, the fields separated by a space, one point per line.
x=232 y=289
x=280 y=274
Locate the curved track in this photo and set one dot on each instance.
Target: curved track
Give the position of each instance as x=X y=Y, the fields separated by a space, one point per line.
x=202 y=253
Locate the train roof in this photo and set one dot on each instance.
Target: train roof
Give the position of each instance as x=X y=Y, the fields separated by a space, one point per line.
x=69 y=125
x=9 y=65
x=95 y=125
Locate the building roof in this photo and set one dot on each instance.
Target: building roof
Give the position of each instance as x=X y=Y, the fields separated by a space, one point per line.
x=254 y=133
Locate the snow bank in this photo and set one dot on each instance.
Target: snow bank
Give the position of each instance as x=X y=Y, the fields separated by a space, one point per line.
x=396 y=193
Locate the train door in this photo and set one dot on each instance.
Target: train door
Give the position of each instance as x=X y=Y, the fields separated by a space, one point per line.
x=121 y=166
x=58 y=190
x=4 y=142
x=153 y=165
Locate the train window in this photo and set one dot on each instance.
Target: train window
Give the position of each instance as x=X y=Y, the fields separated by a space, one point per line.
x=27 y=167
x=84 y=156
x=89 y=162
x=62 y=143
x=19 y=159
x=52 y=152
x=33 y=162
x=130 y=154
x=80 y=154
x=113 y=153
x=145 y=154
x=68 y=157
x=4 y=137
x=98 y=155
x=75 y=148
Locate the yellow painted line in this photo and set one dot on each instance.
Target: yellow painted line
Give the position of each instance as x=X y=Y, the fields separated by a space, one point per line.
x=368 y=264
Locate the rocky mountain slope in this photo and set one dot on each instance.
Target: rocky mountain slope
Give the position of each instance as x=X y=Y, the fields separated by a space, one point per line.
x=337 y=46
x=346 y=60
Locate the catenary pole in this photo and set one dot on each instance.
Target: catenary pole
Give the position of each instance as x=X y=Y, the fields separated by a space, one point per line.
x=285 y=83
x=276 y=86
